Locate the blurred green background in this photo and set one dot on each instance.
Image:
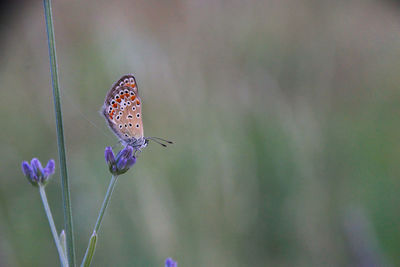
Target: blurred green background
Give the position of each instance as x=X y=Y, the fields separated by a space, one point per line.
x=285 y=116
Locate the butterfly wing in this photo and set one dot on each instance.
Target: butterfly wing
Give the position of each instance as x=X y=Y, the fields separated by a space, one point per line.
x=122 y=109
x=127 y=80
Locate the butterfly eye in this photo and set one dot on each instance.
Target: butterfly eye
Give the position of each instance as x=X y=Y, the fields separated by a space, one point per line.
x=121 y=92
x=112 y=102
x=120 y=126
x=126 y=135
x=117 y=96
x=137 y=115
x=121 y=83
x=137 y=125
x=132 y=93
x=131 y=80
x=126 y=81
x=120 y=113
x=118 y=118
x=126 y=91
x=129 y=103
x=130 y=124
x=133 y=108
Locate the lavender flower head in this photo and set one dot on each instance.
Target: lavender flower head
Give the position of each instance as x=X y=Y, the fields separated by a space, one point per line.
x=122 y=162
x=35 y=173
x=169 y=262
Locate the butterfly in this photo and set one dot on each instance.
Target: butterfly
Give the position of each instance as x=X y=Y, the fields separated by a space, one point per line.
x=122 y=110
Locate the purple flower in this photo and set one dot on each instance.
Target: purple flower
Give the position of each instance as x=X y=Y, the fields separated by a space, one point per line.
x=122 y=162
x=109 y=155
x=169 y=262
x=50 y=167
x=35 y=173
x=36 y=165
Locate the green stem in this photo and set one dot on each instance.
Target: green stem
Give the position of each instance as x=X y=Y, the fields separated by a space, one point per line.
x=90 y=249
x=46 y=206
x=106 y=201
x=87 y=259
x=60 y=134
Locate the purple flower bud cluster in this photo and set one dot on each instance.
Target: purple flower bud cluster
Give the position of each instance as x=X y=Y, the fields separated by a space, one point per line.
x=35 y=173
x=169 y=262
x=122 y=162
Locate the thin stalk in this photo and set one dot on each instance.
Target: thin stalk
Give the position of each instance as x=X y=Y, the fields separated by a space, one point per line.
x=106 y=201
x=60 y=134
x=91 y=246
x=87 y=259
x=46 y=206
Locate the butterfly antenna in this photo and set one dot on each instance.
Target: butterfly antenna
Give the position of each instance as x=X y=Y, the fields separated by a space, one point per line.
x=158 y=138
x=155 y=140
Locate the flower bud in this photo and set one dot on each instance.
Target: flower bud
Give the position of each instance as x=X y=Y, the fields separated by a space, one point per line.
x=169 y=262
x=28 y=172
x=109 y=156
x=50 y=168
x=122 y=162
x=35 y=173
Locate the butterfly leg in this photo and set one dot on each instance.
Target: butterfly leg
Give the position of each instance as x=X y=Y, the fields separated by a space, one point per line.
x=119 y=142
x=137 y=152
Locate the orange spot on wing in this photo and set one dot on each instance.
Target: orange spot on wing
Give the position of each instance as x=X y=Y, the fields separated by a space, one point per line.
x=131 y=85
x=133 y=97
x=111 y=117
x=126 y=95
x=112 y=112
x=118 y=100
x=115 y=105
x=138 y=102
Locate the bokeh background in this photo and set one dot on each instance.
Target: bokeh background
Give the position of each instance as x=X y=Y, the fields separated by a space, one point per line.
x=285 y=116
